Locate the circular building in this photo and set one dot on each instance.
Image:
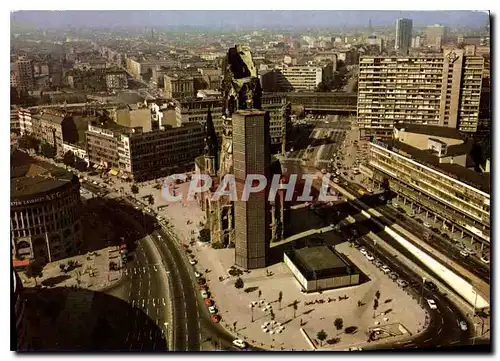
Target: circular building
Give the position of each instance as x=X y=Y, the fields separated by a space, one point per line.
x=45 y=210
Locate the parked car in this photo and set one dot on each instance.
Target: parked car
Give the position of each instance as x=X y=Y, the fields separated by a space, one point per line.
x=432 y=304
x=197 y=274
x=402 y=283
x=204 y=294
x=363 y=250
x=469 y=250
x=212 y=310
x=393 y=276
x=378 y=263
x=192 y=261
x=464 y=253
x=428 y=225
x=240 y=343
x=369 y=257
x=418 y=220
x=484 y=259
x=385 y=269
x=430 y=286
x=462 y=324
x=215 y=318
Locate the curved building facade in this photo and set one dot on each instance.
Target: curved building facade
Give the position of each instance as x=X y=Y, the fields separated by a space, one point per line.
x=45 y=211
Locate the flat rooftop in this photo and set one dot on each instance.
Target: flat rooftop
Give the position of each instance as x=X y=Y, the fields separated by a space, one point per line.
x=320 y=262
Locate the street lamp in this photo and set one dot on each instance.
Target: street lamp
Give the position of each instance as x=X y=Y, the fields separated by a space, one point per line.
x=251 y=309
x=422 y=294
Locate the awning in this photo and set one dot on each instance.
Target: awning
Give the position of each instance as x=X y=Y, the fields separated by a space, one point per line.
x=20 y=262
x=113 y=172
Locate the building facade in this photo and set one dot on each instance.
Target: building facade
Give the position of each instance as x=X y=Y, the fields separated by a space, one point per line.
x=435 y=35
x=429 y=89
x=15 y=126
x=403 y=35
x=300 y=78
x=436 y=181
x=116 y=80
x=22 y=74
x=251 y=156
x=45 y=211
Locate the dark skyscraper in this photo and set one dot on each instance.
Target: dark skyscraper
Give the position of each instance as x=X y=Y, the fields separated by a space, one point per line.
x=403 y=35
x=251 y=155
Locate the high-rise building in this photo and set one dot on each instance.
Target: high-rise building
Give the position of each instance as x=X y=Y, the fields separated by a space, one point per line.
x=403 y=35
x=431 y=89
x=22 y=74
x=435 y=36
x=251 y=155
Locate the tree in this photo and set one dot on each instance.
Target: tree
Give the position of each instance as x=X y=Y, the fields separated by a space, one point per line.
x=151 y=200
x=205 y=235
x=239 y=283
x=47 y=150
x=280 y=298
x=134 y=189
x=339 y=323
x=295 y=307
x=34 y=270
x=69 y=158
x=375 y=306
x=321 y=336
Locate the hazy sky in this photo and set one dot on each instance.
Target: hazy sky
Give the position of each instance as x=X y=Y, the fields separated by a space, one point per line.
x=246 y=19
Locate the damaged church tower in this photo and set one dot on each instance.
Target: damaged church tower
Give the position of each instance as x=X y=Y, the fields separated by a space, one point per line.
x=244 y=149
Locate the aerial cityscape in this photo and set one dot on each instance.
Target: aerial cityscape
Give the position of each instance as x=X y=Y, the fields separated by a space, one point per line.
x=250 y=181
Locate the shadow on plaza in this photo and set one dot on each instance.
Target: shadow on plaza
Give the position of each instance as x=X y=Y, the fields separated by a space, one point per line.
x=126 y=224
x=74 y=319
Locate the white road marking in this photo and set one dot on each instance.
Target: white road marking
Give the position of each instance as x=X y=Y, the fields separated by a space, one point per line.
x=441 y=329
x=427 y=340
x=438 y=310
x=454 y=342
x=449 y=308
x=133 y=303
x=128 y=336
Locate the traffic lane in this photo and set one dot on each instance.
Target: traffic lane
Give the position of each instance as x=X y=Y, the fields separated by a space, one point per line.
x=445 y=247
x=189 y=287
x=216 y=331
x=443 y=327
x=186 y=336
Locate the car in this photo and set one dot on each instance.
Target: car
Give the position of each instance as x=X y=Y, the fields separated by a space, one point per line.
x=363 y=250
x=484 y=259
x=240 y=343
x=464 y=253
x=215 y=318
x=323 y=171
x=432 y=304
x=378 y=263
x=192 y=261
x=201 y=281
x=208 y=301
x=369 y=257
x=385 y=269
x=204 y=288
x=335 y=180
x=197 y=274
x=402 y=283
x=427 y=225
x=430 y=286
x=469 y=250
x=212 y=310
x=393 y=276
x=204 y=294
x=462 y=324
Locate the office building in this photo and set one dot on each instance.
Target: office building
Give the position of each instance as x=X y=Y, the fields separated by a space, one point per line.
x=143 y=155
x=403 y=35
x=300 y=78
x=22 y=74
x=428 y=167
x=435 y=35
x=434 y=89
x=251 y=155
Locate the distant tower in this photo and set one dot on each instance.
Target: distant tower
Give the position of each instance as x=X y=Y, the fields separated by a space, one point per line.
x=370 y=28
x=251 y=155
x=403 y=35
